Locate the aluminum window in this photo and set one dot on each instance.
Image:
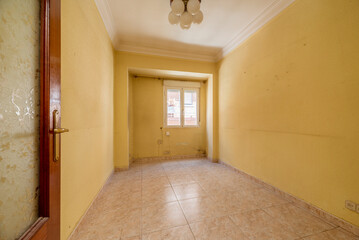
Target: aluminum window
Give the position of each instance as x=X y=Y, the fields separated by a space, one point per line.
x=181 y=106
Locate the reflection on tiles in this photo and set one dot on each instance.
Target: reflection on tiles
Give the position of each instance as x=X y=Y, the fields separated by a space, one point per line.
x=182 y=233
x=196 y=199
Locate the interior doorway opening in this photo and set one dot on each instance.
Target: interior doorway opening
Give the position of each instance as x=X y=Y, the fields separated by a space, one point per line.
x=170 y=114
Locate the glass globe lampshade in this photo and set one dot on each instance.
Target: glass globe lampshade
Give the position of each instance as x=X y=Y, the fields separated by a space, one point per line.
x=177 y=7
x=185 y=27
x=186 y=19
x=198 y=18
x=173 y=18
x=193 y=6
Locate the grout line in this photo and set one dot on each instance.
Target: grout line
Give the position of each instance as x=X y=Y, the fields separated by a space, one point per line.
x=178 y=201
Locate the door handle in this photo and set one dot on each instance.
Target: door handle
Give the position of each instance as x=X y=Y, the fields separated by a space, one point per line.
x=56 y=134
x=61 y=130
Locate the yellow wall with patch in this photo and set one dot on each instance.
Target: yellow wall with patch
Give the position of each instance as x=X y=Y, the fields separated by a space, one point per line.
x=146 y=120
x=125 y=61
x=87 y=109
x=288 y=104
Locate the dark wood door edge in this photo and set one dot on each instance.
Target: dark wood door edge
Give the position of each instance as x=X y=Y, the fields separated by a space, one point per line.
x=37 y=231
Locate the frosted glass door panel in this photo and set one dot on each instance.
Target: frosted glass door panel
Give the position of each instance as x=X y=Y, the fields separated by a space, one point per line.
x=19 y=115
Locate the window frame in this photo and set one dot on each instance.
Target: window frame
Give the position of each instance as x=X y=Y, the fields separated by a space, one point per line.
x=182 y=89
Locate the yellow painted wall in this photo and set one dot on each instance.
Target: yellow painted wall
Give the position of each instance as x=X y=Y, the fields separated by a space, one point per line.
x=87 y=109
x=123 y=62
x=146 y=120
x=288 y=108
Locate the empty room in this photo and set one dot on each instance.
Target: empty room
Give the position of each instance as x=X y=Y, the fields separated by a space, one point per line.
x=179 y=119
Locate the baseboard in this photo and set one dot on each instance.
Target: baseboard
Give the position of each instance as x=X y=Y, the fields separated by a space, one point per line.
x=121 y=169
x=162 y=158
x=213 y=160
x=98 y=193
x=328 y=217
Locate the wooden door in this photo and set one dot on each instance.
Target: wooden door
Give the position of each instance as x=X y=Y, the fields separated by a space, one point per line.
x=48 y=224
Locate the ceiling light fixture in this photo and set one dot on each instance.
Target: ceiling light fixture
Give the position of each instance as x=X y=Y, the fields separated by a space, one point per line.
x=185 y=12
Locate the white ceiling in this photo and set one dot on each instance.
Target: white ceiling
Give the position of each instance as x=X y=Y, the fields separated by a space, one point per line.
x=142 y=26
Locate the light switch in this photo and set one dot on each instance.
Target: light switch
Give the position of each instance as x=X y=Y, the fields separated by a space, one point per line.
x=168 y=133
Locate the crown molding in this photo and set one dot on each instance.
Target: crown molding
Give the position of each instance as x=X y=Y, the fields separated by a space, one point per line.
x=268 y=13
x=136 y=48
x=107 y=18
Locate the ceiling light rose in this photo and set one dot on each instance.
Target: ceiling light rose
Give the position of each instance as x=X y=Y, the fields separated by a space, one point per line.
x=185 y=12
x=173 y=18
x=178 y=6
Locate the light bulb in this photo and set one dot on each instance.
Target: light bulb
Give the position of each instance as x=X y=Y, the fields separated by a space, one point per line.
x=193 y=6
x=177 y=7
x=173 y=18
x=198 y=18
x=186 y=18
x=185 y=27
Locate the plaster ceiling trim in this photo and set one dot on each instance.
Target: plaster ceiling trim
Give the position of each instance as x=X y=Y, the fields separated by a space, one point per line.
x=137 y=48
x=269 y=13
x=107 y=18
x=264 y=17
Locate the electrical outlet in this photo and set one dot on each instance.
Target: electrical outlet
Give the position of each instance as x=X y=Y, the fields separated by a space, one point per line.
x=350 y=205
x=159 y=141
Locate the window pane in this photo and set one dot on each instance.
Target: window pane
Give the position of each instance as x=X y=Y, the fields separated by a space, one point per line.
x=173 y=107
x=190 y=107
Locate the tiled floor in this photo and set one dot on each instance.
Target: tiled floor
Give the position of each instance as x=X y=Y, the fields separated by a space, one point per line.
x=196 y=199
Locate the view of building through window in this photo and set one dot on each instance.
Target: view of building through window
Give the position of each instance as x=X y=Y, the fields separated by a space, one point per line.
x=190 y=107
x=176 y=107
x=173 y=107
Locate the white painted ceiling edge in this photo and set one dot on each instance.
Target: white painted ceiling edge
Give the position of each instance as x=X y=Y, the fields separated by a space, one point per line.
x=265 y=16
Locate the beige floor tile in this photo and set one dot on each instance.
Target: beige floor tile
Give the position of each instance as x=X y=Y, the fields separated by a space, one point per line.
x=111 y=225
x=180 y=179
x=187 y=191
x=198 y=209
x=211 y=185
x=264 y=197
x=89 y=234
x=161 y=197
x=153 y=182
x=154 y=195
x=109 y=202
x=259 y=225
x=299 y=221
x=176 y=233
x=162 y=216
x=335 y=234
x=131 y=238
x=217 y=228
x=235 y=202
x=153 y=174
